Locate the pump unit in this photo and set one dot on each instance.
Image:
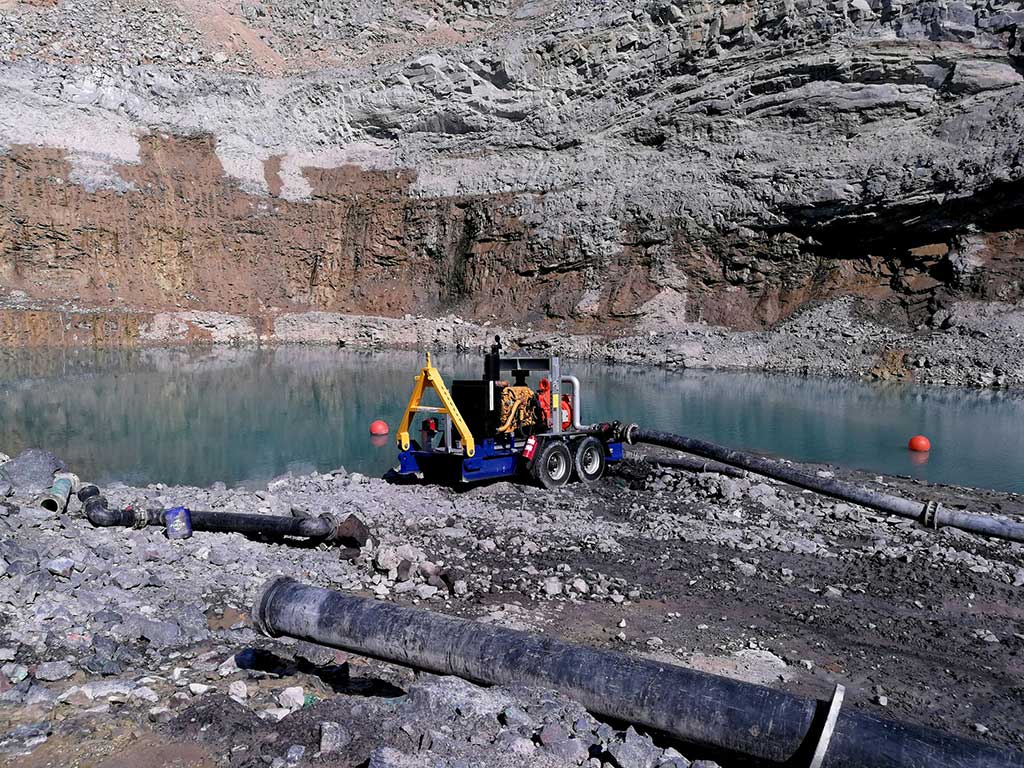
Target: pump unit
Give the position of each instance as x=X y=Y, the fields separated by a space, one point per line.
x=492 y=428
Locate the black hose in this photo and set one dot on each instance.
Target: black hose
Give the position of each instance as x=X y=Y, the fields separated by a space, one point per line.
x=929 y=514
x=349 y=532
x=97 y=512
x=267 y=525
x=690 y=464
x=704 y=710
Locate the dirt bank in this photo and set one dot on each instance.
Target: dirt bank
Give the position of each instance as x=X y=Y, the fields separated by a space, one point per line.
x=973 y=344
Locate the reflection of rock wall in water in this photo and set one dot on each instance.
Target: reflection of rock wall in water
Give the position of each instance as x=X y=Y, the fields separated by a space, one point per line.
x=208 y=431
x=596 y=167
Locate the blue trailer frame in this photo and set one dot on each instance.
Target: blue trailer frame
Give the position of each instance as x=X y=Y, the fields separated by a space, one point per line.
x=491 y=461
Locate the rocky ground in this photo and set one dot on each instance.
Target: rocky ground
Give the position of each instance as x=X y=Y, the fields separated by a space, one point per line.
x=121 y=647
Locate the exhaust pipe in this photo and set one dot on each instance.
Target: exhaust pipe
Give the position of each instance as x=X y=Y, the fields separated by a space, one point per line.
x=929 y=514
x=746 y=720
x=350 y=532
x=56 y=497
x=577 y=394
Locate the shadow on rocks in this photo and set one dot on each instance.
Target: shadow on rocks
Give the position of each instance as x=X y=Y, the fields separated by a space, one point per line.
x=334 y=676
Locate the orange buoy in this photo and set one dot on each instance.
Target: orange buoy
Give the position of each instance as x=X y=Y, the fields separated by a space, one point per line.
x=920 y=443
x=378 y=427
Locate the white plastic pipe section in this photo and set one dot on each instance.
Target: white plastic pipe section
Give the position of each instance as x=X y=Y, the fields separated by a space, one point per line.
x=576 y=423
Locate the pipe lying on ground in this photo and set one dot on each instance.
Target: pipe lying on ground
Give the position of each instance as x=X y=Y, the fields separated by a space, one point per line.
x=55 y=498
x=690 y=463
x=350 y=532
x=700 y=709
x=928 y=514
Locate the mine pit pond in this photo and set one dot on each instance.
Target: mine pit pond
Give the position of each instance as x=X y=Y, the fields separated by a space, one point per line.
x=243 y=416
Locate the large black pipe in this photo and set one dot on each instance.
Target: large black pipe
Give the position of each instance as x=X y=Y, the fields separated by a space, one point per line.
x=929 y=514
x=350 y=532
x=772 y=727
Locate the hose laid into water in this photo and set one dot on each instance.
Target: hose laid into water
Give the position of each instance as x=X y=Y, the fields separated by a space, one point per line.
x=758 y=723
x=689 y=463
x=929 y=514
x=350 y=532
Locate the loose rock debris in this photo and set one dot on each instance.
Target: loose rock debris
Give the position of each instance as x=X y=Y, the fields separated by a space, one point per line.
x=118 y=639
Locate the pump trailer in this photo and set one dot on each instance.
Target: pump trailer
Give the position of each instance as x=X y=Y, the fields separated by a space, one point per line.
x=489 y=428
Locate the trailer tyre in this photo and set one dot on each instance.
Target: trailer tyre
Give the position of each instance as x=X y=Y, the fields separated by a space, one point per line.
x=552 y=467
x=589 y=459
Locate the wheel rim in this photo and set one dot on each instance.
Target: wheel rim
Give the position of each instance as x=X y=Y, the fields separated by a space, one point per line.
x=556 y=465
x=591 y=460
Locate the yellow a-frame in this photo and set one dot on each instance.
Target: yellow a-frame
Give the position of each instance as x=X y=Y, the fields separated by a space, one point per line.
x=430 y=377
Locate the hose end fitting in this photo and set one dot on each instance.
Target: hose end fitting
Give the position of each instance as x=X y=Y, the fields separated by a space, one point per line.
x=55 y=498
x=261 y=605
x=628 y=433
x=333 y=523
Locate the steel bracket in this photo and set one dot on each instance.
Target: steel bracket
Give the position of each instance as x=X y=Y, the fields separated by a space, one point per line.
x=829 y=728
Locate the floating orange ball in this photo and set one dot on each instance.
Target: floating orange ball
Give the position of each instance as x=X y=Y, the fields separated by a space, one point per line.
x=378 y=427
x=920 y=443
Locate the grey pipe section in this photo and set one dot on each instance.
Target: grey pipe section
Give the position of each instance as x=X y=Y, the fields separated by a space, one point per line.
x=55 y=498
x=350 y=531
x=704 y=710
x=928 y=514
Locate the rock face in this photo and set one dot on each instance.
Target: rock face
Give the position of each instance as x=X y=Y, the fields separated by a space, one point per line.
x=579 y=164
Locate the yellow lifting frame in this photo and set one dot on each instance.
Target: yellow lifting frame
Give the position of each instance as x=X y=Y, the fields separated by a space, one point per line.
x=431 y=377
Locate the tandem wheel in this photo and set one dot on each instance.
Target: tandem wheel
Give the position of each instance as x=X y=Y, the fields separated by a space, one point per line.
x=588 y=460
x=552 y=466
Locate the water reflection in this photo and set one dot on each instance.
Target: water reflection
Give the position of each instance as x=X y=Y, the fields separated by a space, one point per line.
x=245 y=415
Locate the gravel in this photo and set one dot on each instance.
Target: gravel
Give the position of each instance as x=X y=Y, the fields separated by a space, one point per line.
x=739 y=577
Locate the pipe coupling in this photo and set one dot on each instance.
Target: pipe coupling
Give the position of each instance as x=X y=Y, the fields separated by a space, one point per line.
x=140 y=517
x=333 y=526
x=627 y=432
x=261 y=605
x=930 y=515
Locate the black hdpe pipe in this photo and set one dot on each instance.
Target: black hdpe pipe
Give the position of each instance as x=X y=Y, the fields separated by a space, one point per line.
x=928 y=514
x=349 y=532
x=769 y=726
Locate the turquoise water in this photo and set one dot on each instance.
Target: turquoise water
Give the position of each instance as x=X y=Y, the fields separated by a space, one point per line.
x=243 y=416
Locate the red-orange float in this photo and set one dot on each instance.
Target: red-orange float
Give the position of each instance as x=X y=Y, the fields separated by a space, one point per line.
x=379 y=427
x=920 y=443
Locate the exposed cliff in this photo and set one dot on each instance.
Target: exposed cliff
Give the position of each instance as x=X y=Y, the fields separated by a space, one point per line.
x=589 y=166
